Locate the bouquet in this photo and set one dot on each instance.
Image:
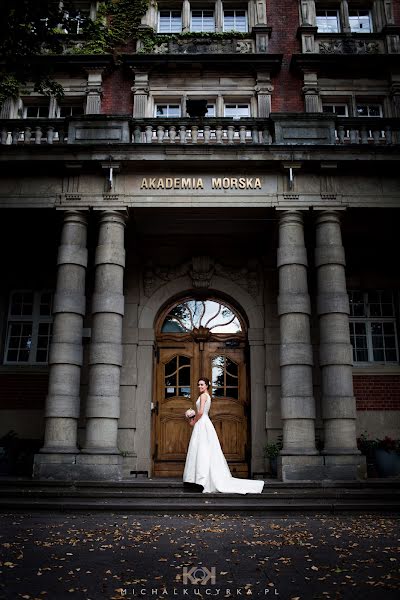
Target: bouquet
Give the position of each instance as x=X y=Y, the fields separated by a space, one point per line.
x=190 y=413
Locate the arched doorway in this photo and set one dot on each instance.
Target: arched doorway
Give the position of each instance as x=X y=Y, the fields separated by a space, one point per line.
x=194 y=338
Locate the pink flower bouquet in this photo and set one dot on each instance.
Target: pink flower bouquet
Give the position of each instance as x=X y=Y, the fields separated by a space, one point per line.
x=190 y=413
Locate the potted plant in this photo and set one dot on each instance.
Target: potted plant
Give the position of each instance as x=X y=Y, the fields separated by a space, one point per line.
x=387 y=456
x=271 y=452
x=367 y=446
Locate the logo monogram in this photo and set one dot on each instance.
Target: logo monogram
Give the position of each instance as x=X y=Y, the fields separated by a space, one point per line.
x=198 y=575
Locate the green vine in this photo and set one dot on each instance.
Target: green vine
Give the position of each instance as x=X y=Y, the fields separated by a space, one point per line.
x=150 y=39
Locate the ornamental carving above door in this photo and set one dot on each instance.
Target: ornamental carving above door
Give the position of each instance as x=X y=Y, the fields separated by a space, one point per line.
x=200 y=338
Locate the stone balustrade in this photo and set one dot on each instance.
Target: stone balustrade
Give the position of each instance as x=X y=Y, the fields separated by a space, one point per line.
x=367 y=130
x=278 y=129
x=205 y=131
x=32 y=131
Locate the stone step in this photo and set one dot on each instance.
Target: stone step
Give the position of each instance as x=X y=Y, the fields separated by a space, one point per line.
x=171 y=496
x=239 y=505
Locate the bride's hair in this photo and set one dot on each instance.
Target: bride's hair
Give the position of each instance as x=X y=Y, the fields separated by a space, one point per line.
x=206 y=381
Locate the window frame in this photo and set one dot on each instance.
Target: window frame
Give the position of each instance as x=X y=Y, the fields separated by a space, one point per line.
x=168 y=103
x=202 y=10
x=234 y=10
x=36 y=319
x=370 y=19
x=237 y=104
x=338 y=20
x=368 y=321
x=171 y=30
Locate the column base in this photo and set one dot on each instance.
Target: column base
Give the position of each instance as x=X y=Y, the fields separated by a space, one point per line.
x=78 y=467
x=337 y=467
x=60 y=466
x=99 y=467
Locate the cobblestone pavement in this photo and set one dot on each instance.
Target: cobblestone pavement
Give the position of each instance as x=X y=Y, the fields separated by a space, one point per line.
x=96 y=556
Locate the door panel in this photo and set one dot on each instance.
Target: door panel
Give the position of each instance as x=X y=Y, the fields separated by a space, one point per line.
x=178 y=369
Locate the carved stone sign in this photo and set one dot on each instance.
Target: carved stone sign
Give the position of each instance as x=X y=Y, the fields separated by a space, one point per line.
x=197 y=183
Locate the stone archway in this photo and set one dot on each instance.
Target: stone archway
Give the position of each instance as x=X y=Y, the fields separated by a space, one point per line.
x=251 y=308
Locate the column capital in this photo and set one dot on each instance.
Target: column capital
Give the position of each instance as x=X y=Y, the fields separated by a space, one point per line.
x=75 y=216
x=328 y=216
x=113 y=216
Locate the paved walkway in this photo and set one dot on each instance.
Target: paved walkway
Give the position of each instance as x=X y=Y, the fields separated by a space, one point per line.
x=113 y=556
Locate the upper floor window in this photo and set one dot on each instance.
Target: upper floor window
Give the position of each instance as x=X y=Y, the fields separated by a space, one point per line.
x=202 y=20
x=328 y=21
x=369 y=110
x=235 y=20
x=168 y=110
x=236 y=111
x=373 y=326
x=69 y=110
x=338 y=109
x=29 y=327
x=360 y=21
x=36 y=111
x=169 y=21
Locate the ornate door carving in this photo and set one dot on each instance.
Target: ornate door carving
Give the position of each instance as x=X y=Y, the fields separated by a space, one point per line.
x=200 y=338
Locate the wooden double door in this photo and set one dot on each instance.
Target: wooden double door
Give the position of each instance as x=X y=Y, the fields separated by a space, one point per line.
x=178 y=369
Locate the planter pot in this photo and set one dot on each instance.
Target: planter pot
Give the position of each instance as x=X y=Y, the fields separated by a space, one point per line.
x=387 y=463
x=274 y=466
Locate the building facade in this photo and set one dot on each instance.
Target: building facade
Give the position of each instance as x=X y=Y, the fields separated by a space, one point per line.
x=220 y=202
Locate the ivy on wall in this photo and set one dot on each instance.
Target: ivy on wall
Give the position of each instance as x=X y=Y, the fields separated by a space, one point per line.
x=42 y=27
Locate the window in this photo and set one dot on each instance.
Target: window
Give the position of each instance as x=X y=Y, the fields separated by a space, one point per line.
x=360 y=21
x=210 y=110
x=237 y=111
x=29 y=327
x=169 y=21
x=338 y=109
x=168 y=110
x=328 y=21
x=235 y=20
x=69 y=110
x=373 y=327
x=369 y=110
x=36 y=111
x=202 y=20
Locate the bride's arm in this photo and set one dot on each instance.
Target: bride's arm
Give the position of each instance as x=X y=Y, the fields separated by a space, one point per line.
x=203 y=399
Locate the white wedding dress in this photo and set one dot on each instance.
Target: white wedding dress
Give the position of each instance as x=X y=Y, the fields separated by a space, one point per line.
x=206 y=464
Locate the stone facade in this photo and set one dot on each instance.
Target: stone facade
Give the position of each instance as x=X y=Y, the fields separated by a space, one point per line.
x=282 y=214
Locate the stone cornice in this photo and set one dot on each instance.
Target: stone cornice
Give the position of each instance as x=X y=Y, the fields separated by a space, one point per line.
x=339 y=64
x=254 y=62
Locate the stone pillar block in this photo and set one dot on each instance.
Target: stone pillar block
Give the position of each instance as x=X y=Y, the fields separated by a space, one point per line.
x=297 y=401
x=335 y=352
x=105 y=358
x=65 y=357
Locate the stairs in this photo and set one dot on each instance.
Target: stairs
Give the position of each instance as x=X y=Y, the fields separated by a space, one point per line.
x=172 y=496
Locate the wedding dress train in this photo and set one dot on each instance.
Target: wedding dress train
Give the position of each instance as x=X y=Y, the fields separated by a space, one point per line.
x=206 y=464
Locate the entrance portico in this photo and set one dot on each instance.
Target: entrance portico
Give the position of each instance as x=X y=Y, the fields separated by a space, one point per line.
x=276 y=350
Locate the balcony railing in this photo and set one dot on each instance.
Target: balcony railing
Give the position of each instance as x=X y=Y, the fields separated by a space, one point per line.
x=32 y=131
x=208 y=131
x=299 y=129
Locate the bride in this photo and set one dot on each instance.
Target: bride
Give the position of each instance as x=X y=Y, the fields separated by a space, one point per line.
x=205 y=462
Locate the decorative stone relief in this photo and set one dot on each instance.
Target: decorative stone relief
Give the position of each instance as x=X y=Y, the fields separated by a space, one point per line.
x=204 y=46
x=201 y=270
x=349 y=47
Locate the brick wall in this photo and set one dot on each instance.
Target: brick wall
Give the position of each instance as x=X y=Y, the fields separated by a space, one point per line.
x=23 y=391
x=283 y=17
x=377 y=392
x=117 y=94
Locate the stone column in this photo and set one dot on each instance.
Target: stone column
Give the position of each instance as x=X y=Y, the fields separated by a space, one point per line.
x=94 y=91
x=299 y=456
x=100 y=458
x=65 y=358
x=185 y=16
x=335 y=353
x=311 y=93
x=140 y=94
x=264 y=90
